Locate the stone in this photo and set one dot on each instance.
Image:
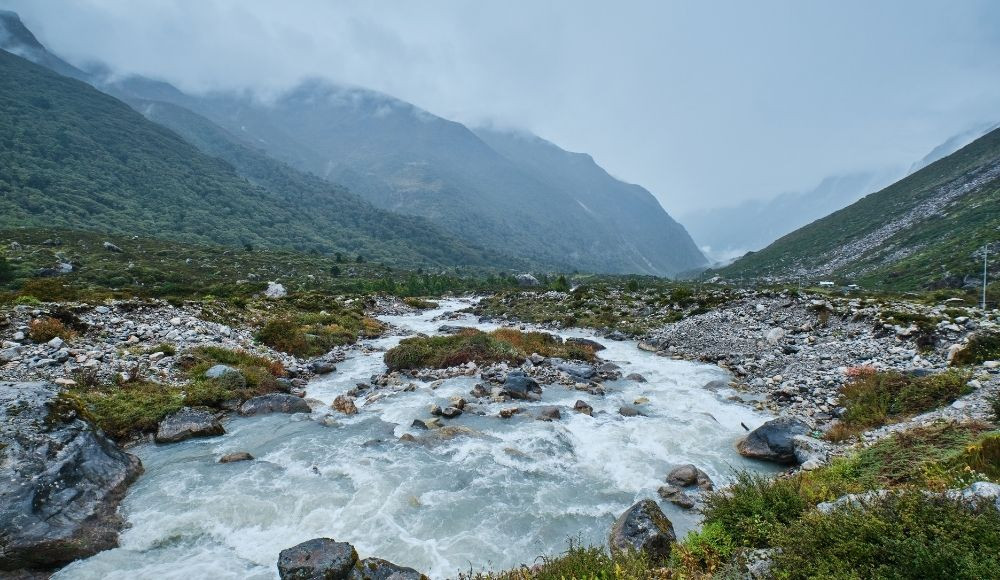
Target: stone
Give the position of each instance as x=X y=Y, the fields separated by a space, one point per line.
x=274 y=403
x=317 y=559
x=643 y=527
x=49 y=449
x=378 y=569
x=774 y=335
x=322 y=367
x=517 y=385
x=345 y=404
x=218 y=371
x=188 y=423
x=676 y=496
x=509 y=412
x=526 y=280
x=582 y=407
x=688 y=475
x=450 y=412
x=56 y=343
x=810 y=452
x=636 y=377
x=549 y=414
x=451 y=329
x=629 y=411
x=772 y=441
x=579 y=371
x=275 y=290
x=234 y=457
x=593 y=344
x=112 y=248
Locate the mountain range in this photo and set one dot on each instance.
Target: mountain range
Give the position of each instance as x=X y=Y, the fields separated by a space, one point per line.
x=482 y=188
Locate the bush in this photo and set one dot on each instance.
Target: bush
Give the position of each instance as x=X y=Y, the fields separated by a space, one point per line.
x=905 y=535
x=704 y=551
x=872 y=398
x=131 y=409
x=754 y=508
x=6 y=271
x=313 y=334
x=502 y=345
x=166 y=348
x=419 y=303
x=579 y=562
x=45 y=329
x=981 y=348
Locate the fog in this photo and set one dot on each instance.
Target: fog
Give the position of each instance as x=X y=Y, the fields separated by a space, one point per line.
x=706 y=104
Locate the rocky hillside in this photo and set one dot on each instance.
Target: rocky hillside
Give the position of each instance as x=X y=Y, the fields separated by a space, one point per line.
x=74 y=157
x=926 y=230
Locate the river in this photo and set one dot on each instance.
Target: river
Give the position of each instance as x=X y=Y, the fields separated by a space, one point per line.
x=516 y=489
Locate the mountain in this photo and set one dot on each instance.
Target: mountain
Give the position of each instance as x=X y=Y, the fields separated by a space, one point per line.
x=729 y=232
x=925 y=230
x=74 y=157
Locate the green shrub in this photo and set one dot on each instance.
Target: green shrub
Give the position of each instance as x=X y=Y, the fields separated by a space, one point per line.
x=6 y=271
x=165 y=347
x=128 y=410
x=47 y=328
x=704 y=551
x=419 y=303
x=906 y=535
x=314 y=333
x=872 y=398
x=754 y=507
x=579 y=562
x=981 y=348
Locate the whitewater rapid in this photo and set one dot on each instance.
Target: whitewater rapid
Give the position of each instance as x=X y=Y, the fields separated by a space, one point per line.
x=516 y=489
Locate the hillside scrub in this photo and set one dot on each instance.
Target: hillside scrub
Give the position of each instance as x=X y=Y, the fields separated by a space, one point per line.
x=313 y=334
x=47 y=328
x=874 y=398
x=981 y=348
x=502 y=345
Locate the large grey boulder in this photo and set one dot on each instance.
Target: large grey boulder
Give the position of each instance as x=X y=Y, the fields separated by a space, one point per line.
x=219 y=371
x=61 y=479
x=643 y=528
x=317 y=559
x=688 y=475
x=188 y=423
x=274 y=403
x=586 y=342
x=517 y=385
x=378 y=569
x=579 y=371
x=774 y=440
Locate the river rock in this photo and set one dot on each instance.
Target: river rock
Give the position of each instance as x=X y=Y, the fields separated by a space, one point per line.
x=636 y=377
x=452 y=329
x=676 y=496
x=772 y=441
x=379 y=569
x=643 y=527
x=188 y=423
x=586 y=342
x=62 y=480
x=688 y=475
x=517 y=385
x=549 y=414
x=581 y=406
x=629 y=411
x=345 y=404
x=579 y=371
x=274 y=403
x=234 y=457
x=219 y=371
x=317 y=559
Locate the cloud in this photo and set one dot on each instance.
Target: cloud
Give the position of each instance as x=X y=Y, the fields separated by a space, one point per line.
x=706 y=104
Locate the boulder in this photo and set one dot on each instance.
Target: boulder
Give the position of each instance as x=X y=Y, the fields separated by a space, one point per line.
x=451 y=412
x=234 y=457
x=526 y=280
x=586 y=342
x=676 y=496
x=549 y=414
x=322 y=367
x=378 y=569
x=345 y=404
x=188 y=423
x=582 y=407
x=688 y=475
x=517 y=385
x=772 y=441
x=219 y=371
x=275 y=290
x=580 y=371
x=274 y=403
x=452 y=329
x=62 y=480
x=629 y=411
x=636 y=377
x=643 y=527
x=317 y=559
x=810 y=452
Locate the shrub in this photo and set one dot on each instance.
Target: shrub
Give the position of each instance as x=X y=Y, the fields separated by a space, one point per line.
x=872 y=399
x=580 y=562
x=995 y=407
x=166 y=348
x=6 y=271
x=754 y=508
x=315 y=333
x=704 y=551
x=981 y=348
x=502 y=345
x=905 y=535
x=123 y=411
x=47 y=328
x=419 y=303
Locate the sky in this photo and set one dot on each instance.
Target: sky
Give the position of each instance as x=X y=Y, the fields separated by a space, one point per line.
x=706 y=103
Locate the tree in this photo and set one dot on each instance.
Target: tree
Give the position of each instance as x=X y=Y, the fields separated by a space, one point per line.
x=335 y=271
x=339 y=258
x=560 y=284
x=6 y=271
x=632 y=285
x=360 y=259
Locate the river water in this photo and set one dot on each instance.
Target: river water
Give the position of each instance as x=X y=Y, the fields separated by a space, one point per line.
x=513 y=490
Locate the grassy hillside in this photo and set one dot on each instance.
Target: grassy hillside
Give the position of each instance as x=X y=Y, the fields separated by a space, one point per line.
x=922 y=231
x=73 y=157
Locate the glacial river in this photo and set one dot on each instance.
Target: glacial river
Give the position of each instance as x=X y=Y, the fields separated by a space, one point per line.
x=515 y=489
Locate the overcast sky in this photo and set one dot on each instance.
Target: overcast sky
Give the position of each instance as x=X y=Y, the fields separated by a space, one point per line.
x=704 y=103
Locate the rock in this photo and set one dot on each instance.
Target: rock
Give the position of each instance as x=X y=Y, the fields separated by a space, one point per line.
x=775 y=335
x=648 y=346
x=451 y=329
x=62 y=480
x=274 y=403
x=520 y=386
x=759 y=564
x=688 y=475
x=636 y=377
x=479 y=391
x=810 y=452
x=676 y=496
x=378 y=569
x=275 y=290
x=772 y=441
x=509 y=412
x=549 y=414
x=322 y=367
x=317 y=559
x=980 y=492
x=345 y=404
x=219 y=371
x=643 y=527
x=112 y=248
x=418 y=424
x=629 y=411
x=234 y=457
x=56 y=343
x=526 y=280
x=586 y=342
x=579 y=371
x=188 y=423
x=450 y=412
x=582 y=407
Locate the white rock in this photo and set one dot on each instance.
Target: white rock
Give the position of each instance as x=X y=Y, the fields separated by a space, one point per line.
x=275 y=290
x=56 y=343
x=175 y=321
